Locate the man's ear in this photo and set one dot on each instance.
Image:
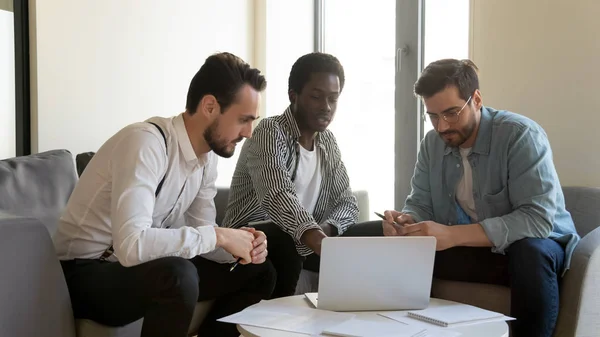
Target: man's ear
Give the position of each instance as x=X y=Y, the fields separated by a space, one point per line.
x=477 y=99
x=208 y=106
x=293 y=96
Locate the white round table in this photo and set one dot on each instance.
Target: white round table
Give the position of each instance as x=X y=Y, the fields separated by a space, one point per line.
x=495 y=329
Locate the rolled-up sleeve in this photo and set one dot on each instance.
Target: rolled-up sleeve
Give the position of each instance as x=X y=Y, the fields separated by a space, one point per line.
x=532 y=190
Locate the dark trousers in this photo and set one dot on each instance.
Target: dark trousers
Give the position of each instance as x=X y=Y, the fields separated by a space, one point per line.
x=531 y=268
x=164 y=292
x=288 y=263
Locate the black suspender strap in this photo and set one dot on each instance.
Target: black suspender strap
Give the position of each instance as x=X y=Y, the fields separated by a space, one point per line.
x=108 y=252
x=163 y=178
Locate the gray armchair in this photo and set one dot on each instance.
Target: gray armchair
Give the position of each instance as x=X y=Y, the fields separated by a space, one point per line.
x=34 y=298
x=580 y=288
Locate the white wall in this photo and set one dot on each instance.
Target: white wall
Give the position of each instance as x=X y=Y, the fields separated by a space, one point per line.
x=100 y=65
x=7 y=85
x=540 y=59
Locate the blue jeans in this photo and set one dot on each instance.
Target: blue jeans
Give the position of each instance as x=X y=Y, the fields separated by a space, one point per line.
x=531 y=268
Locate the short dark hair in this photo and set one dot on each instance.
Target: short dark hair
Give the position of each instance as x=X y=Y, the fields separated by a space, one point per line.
x=441 y=74
x=222 y=75
x=314 y=63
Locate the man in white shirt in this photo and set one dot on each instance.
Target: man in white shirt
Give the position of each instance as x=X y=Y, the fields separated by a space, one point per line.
x=138 y=237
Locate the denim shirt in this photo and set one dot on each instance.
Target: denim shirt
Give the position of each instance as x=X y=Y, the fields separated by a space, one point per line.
x=516 y=189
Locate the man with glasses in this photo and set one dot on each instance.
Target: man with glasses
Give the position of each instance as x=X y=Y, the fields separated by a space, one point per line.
x=487 y=180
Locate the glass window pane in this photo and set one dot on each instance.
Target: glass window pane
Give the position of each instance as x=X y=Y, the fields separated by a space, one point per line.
x=362 y=37
x=7 y=85
x=446 y=33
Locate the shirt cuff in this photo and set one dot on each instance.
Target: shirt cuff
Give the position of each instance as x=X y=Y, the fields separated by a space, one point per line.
x=208 y=239
x=497 y=232
x=336 y=225
x=303 y=228
x=219 y=255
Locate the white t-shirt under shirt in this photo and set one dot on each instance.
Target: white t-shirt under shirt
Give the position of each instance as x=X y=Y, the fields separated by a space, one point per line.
x=308 y=178
x=464 y=189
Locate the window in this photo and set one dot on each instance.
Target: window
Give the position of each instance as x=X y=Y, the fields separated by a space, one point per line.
x=446 y=33
x=377 y=120
x=284 y=20
x=362 y=37
x=7 y=84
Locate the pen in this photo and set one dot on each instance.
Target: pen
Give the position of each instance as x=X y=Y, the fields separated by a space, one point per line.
x=235 y=264
x=383 y=217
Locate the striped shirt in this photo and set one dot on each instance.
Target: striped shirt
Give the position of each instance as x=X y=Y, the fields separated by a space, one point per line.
x=263 y=187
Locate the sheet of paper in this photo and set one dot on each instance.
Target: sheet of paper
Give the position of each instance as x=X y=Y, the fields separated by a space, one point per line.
x=357 y=327
x=301 y=320
x=313 y=298
x=401 y=317
x=427 y=333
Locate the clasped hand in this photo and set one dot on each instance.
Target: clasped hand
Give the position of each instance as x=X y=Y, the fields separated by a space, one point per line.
x=245 y=243
x=259 y=252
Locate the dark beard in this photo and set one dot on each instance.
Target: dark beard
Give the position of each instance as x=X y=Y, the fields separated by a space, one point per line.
x=464 y=134
x=215 y=144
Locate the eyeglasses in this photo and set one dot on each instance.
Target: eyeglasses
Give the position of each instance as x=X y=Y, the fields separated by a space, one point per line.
x=450 y=117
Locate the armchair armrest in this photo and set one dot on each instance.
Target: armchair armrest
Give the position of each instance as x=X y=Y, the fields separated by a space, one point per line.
x=362 y=198
x=32 y=286
x=579 y=313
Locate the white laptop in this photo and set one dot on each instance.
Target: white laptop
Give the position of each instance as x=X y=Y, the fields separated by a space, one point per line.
x=375 y=273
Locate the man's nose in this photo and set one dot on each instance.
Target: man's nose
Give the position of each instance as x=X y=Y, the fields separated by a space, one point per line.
x=325 y=106
x=247 y=131
x=442 y=125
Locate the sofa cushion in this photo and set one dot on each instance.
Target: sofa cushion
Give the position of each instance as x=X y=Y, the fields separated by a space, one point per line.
x=488 y=296
x=37 y=185
x=82 y=160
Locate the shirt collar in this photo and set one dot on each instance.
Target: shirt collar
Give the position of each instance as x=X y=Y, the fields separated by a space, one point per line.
x=290 y=123
x=483 y=140
x=185 y=145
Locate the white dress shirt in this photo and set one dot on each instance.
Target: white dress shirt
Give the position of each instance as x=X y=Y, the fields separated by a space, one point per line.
x=114 y=201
